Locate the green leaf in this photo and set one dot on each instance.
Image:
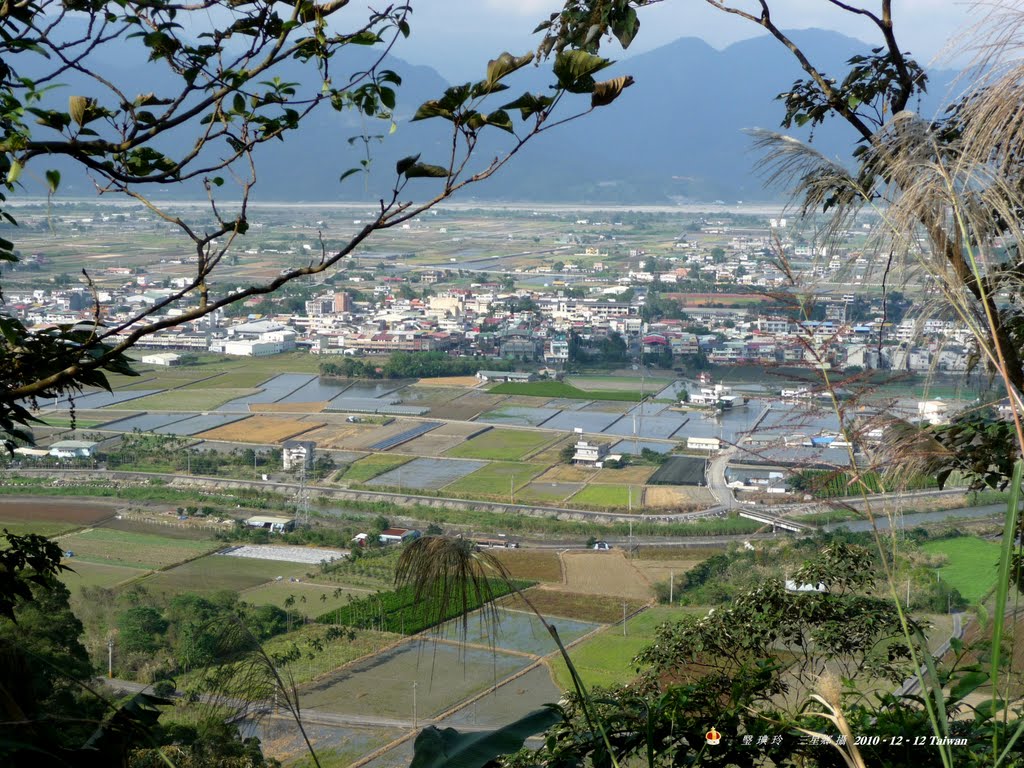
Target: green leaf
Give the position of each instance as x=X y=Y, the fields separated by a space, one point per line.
x=529 y=104
x=239 y=104
x=504 y=65
x=968 y=683
x=435 y=748
x=431 y=109
x=424 y=170
x=217 y=181
x=574 y=70
x=406 y=163
x=609 y=90
x=499 y=119
x=625 y=29
x=349 y=172
x=14 y=172
x=52 y=180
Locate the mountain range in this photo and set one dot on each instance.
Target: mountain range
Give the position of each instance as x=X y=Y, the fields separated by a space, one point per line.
x=676 y=135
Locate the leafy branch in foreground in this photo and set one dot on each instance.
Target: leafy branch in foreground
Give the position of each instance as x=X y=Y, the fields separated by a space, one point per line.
x=227 y=91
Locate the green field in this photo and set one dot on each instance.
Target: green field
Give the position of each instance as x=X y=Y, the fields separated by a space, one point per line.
x=218 y=572
x=607 y=658
x=495 y=479
x=370 y=466
x=198 y=399
x=972 y=564
x=277 y=592
x=96 y=575
x=65 y=422
x=502 y=445
x=136 y=550
x=559 y=389
x=607 y=496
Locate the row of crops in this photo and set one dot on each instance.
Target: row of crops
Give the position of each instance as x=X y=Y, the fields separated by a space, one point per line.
x=401 y=612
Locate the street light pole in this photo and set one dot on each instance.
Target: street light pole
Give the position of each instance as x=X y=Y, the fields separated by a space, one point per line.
x=415 y=719
x=110 y=657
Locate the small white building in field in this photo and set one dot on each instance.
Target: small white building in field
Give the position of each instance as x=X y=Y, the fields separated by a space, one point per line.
x=162 y=358
x=73 y=449
x=703 y=443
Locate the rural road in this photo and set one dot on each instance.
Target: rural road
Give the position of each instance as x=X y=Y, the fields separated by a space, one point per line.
x=716 y=478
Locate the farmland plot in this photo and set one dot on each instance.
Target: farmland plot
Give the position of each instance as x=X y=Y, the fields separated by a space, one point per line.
x=546 y=493
x=604 y=573
x=214 y=573
x=677 y=497
x=518 y=415
x=502 y=444
x=426 y=473
x=466 y=407
x=568 y=473
x=382 y=686
x=137 y=550
x=495 y=480
x=197 y=424
x=440 y=440
x=338 y=435
x=45 y=511
x=261 y=429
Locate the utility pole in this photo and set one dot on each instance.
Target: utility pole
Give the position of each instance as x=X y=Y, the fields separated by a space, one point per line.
x=415 y=719
x=511 y=489
x=631 y=539
x=623 y=618
x=671 y=587
x=110 y=657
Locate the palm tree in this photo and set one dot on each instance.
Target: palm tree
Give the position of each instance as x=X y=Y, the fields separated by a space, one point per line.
x=447 y=573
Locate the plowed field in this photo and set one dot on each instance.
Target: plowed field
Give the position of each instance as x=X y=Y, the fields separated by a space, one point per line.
x=260 y=429
x=677 y=497
x=604 y=573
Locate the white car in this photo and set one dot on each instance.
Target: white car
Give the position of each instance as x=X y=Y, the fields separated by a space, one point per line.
x=602 y=546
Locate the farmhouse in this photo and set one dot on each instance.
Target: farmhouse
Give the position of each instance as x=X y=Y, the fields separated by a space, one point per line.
x=272 y=523
x=398 y=535
x=588 y=453
x=297 y=453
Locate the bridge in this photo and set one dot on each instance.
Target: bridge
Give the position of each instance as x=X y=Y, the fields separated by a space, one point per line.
x=775 y=521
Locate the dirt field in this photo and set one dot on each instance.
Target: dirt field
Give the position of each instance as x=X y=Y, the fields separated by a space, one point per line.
x=338 y=435
x=450 y=381
x=661 y=570
x=677 y=496
x=626 y=475
x=29 y=510
x=289 y=407
x=473 y=403
x=604 y=573
x=552 y=603
x=563 y=473
x=536 y=565
x=260 y=429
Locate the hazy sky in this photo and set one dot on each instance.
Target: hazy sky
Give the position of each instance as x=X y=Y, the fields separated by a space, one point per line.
x=456 y=37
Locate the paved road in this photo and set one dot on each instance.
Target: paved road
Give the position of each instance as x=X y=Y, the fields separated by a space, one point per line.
x=716 y=478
